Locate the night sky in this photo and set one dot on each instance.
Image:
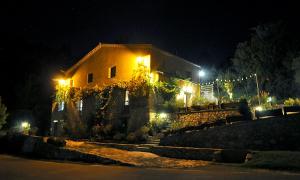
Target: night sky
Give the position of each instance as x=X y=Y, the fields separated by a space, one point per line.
x=204 y=32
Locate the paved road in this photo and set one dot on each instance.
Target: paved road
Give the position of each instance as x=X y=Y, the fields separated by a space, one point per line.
x=19 y=168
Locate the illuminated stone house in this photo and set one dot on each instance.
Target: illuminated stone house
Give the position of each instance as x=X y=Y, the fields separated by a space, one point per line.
x=108 y=64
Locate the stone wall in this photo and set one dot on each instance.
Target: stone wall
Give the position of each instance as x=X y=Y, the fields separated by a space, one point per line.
x=281 y=133
x=197 y=118
x=139 y=113
x=115 y=108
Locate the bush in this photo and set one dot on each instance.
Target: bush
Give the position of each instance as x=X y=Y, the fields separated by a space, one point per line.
x=245 y=110
x=33 y=131
x=157 y=124
x=101 y=131
x=140 y=135
x=292 y=102
x=279 y=160
x=12 y=142
x=180 y=103
x=58 y=142
x=197 y=101
x=119 y=136
x=107 y=130
x=131 y=137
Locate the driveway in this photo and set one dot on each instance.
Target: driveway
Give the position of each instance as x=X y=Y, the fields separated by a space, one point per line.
x=19 y=168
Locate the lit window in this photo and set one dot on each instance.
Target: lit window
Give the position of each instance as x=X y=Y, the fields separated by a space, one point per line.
x=126 y=98
x=112 y=72
x=79 y=105
x=90 y=77
x=61 y=106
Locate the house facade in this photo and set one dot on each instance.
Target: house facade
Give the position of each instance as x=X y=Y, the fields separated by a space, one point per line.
x=110 y=64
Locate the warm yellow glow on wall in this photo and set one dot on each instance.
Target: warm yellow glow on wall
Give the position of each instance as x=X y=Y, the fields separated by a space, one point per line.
x=187 y=89
x=63 y=82
x=143 y=61
x=154 y=77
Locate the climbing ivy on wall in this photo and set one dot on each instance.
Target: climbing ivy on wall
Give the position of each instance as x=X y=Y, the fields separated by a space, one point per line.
x=167 y=89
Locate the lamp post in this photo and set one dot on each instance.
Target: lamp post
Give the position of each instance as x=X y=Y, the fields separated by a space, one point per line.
x=217 y=81
x=201 y=74
x=257 y=88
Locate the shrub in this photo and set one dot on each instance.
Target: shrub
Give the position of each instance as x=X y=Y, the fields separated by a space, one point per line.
x=107 y=130
x=157 y=124
x=131 y=137
x=33 y=131
x=180 y=103
x=58 y=142
x=12 y=142
x=245 y=110
x=197 y=101
x=101 y=131
x=168 y=106
x=142 y=133
x=139 y=135
x=96 y=131
x=292 y=102
x=119 y=136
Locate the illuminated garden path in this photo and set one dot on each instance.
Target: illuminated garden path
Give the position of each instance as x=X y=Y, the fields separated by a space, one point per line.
x=136 y=158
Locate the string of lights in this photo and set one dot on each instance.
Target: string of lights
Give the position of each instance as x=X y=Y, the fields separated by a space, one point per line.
x=240 y=79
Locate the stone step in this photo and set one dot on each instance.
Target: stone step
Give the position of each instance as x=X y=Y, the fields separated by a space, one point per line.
x=142 y=148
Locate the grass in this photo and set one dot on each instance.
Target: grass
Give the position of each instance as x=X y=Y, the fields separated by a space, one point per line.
x=277 y=160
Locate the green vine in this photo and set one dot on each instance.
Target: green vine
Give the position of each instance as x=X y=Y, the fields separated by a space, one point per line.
x=167 y=90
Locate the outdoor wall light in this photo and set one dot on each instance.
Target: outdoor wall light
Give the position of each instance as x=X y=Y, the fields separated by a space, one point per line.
x=25 y=125
x=143 y=60
x=62 y=82
x=269 y=99
x=258 y=108
x=187 y=89
x=201 y=73
x=163 y=115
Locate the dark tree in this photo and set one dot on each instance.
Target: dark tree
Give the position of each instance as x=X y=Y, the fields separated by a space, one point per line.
x=29 y=69
x=270 y=53
x=3 y=113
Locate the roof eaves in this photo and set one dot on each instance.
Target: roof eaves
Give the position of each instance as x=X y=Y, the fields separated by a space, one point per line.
x=82 y=60
x=170 y=54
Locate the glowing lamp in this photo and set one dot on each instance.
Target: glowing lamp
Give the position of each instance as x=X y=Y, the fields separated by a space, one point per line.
x=143 y=60
x=163 y=115
x=139 y=59
x=25 y=125
x=201 y=73
x=258 y=108
x=62 y=82
x=269 y=99
x=187 y=89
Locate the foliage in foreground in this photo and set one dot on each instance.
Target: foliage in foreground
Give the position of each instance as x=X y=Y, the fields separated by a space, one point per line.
x=3 y=113
x=292 y=102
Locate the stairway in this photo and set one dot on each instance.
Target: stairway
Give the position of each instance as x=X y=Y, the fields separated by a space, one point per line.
x=153 y=140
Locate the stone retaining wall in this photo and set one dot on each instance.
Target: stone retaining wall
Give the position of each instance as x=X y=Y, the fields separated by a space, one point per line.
x=281 y=133
x=197 y=118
